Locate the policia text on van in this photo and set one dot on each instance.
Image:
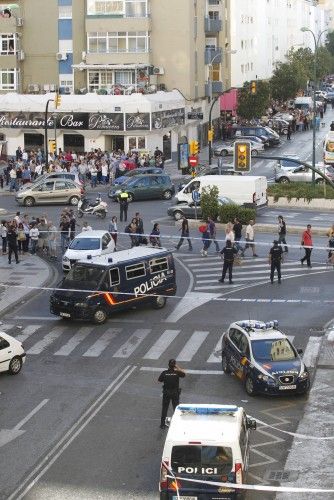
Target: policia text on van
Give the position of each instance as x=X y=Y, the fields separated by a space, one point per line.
x=99 y=286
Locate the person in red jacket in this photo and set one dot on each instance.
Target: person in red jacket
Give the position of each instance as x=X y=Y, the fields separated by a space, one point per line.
x=307 y=244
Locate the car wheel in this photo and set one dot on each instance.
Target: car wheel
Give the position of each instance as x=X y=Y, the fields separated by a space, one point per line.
x=320 y=181
x=223 y=152
x=15 y=365
x=167 y=195
x=29 y=201
x=283 y=180
x=74 y=200
x=225 y=365
x=249 y=386
x=100 y=316
x=130 y=197
x=159 y=302
x=178 y=215
x=254 y=152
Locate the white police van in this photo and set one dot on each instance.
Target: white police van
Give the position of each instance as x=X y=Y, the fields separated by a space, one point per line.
x=205 y=442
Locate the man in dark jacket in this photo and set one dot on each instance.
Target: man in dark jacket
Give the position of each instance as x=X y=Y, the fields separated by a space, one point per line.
x=275 y=260
x=12 y=244
x=228 y=254
x=170 y=390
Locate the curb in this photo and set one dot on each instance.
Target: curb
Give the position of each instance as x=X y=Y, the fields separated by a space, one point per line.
x=24 y=298
x=326 y=351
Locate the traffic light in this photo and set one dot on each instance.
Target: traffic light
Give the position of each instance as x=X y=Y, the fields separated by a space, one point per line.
x=242 y=156
x=210 y=135
x=191 y=148
x=195 y=148
x=253 y=87
x=57 y=100
x=52 y=146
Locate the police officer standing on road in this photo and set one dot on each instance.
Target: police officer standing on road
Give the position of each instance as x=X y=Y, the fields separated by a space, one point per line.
x=228 y=254
x=275 y=261
x=123 y=199
x=171 y=390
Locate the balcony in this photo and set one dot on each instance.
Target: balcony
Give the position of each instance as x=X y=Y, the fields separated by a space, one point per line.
x=212 y=25
x=103 y=24
x=217 y=88
x=213 y=55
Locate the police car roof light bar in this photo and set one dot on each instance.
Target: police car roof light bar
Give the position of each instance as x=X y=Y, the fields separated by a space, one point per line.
x=209 y=410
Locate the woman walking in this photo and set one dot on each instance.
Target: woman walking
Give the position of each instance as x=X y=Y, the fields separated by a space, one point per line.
x=206 y=240
x=155 y=236
x=3 y=233
x=113 y=230
x=330 y=234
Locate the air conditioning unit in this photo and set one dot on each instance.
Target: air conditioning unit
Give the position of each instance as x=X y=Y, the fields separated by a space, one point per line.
x=33 y=87
x=46 y=87
x=53 y=87
x=19 y=21
x=61 y=56
x=83 y=55
x=158 y=70
x=21 y=55
x=64 y=90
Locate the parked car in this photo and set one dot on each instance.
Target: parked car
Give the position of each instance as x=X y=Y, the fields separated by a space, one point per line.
x=190 y=210
x=54 y=175
x=303 y=174
x=288 y=163
x=50 y=192
x=145 y=187
x=262 y=139
x=136 y=171
x=259 y=131
x=12 y=354
x=227 y=148
x=91 y=243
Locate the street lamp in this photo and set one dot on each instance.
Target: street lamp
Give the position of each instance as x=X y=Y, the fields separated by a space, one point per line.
x=316 y=46
x=210 y=83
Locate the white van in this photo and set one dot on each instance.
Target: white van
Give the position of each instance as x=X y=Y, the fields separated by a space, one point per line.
x=304 y=103
x=206 y=442
x=248 y=190
x=329 y=148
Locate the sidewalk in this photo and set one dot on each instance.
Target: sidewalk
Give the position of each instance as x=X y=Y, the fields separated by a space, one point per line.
x=313 y=459
x=32 y=271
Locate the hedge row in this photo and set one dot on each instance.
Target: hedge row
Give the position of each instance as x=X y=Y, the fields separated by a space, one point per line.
x=300 y=190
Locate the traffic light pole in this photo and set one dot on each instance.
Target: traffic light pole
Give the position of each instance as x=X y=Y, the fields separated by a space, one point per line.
x=46 y=146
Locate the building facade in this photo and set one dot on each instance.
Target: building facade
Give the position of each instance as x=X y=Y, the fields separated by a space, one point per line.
x=118 y=47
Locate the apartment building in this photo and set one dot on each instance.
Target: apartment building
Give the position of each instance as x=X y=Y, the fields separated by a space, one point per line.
x=116 y=48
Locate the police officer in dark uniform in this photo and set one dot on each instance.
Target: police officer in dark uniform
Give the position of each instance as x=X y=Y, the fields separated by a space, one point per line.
x=228 y=254
x=275 y=261
x=123 y=199
x=170 y=391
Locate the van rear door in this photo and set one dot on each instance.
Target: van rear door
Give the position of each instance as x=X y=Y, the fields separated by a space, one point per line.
x=260 y=195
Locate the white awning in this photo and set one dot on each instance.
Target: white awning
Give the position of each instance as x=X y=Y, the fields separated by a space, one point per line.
x=82 y=66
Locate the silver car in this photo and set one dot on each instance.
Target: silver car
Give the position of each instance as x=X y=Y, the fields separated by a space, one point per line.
x=228 y=148
x=51 y=191
x=302 y=174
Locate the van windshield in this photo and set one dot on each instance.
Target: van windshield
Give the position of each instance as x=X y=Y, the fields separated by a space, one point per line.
x=202 y=460
x=83 y=277
x=85 y=244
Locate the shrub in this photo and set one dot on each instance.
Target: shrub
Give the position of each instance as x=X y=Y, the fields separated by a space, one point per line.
x=209 y=202
x=299 y=190
x=227 y=213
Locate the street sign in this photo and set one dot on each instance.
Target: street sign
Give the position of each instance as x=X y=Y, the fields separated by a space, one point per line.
x=196 y=196
x=195 y=116
x=193 y=161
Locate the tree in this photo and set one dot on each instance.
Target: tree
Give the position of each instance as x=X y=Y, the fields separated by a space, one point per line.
x=253 y=106
x=287 y=80
x=330 y=42
x=304 y=59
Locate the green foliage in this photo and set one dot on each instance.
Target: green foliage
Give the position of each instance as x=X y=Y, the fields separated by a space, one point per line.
x=209 y=202
x=253 y=106
x=300 y=190
x=303 y=61
x=287 y=80
x=229 y=212
x=330 y=42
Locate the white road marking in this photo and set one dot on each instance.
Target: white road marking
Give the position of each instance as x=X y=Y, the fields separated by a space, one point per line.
x=218 y=260
x=74 y=341
x=312 y=351
x=102 y=343
x=215 y=355
x=189 y=372
x=192 y=346
x=31 y=414
x=46 y=341
x=132 y=343
x=161 y=344
x=26 y=332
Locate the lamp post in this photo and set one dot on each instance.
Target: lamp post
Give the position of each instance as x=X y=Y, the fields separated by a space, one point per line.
x=316 y=46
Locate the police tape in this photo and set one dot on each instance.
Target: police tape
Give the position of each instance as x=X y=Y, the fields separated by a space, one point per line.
x=252 y=487
x=295 y=434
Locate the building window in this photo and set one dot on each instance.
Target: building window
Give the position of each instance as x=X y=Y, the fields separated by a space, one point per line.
x=137 y=143
x=121 y=8
x=7 y=44
x=65 y=12
x=124 y=77
x=105 y=79
x=8 y=79
x=118 y=41
x=66 y=46
x=66 y=81
x=136 y=8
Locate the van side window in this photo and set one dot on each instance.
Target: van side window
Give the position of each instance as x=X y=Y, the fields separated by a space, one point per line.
x=158 y=265
x=114 y=276
x=135 y=271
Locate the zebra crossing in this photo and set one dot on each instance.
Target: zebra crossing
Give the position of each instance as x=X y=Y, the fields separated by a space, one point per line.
x=90 y=342
x=207 y=271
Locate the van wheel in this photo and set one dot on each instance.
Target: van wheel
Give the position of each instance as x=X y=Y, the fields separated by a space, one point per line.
x=29 y=201
x=100 y=316
x=284 y=180
x=159 y=302
x=15 y=365
x=225 y=365
x=249 y=386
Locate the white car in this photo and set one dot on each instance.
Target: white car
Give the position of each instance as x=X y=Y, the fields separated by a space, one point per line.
x=12 y=354
x=88 y=243
x=228 y=148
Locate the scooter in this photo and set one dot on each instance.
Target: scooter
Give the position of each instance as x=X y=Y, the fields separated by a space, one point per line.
x=86 y=207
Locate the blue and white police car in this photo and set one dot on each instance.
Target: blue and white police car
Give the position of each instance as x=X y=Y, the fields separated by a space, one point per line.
x=264 y=359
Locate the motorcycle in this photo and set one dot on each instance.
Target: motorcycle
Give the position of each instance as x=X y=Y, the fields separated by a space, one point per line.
x=86 y=207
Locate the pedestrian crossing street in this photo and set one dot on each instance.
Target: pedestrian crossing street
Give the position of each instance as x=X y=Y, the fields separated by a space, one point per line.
x=207 y=271
x=199 y=347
